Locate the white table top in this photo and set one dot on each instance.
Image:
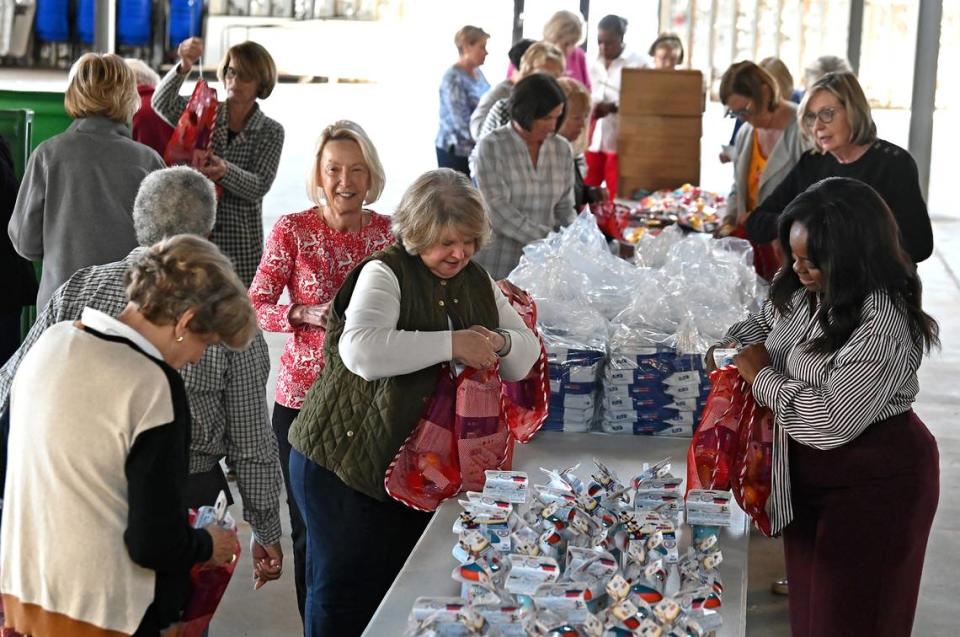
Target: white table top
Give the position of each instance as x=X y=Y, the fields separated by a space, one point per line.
x=427 y=571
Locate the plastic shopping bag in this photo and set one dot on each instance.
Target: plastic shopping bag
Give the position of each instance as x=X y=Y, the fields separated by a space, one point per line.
x=526 y=402
x=207 y=583
x=426 y=469
x=713 y=447
x=753 y=463
x=194 y=129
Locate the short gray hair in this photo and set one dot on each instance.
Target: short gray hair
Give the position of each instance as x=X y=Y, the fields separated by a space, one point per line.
x=823 y=65
x=177 y=200
x=440 y=199
x=144 y=74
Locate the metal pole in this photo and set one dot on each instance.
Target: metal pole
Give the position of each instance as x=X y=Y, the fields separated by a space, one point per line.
x=923 y=103
x=517 y=20
x=105 y=26
x=585 y=12
x=855 y=34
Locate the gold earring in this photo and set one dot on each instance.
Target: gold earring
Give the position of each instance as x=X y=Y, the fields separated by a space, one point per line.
x=179 y=339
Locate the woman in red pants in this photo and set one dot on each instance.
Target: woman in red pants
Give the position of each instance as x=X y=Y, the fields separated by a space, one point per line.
x=834 y=353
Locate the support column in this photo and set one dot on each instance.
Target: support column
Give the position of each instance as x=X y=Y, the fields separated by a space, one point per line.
x=517 y=21
x=855 y=34
x=105 y=26
x=923 y=103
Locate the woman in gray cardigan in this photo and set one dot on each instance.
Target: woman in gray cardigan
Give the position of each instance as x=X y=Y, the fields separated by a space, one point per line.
x=767 y=147
x=74 y=208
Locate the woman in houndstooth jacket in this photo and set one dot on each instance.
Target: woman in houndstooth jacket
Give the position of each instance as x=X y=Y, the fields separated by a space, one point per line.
x=245 y=148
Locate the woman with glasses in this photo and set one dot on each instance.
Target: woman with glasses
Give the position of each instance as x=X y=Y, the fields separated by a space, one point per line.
x=245 y=148
x=836 y=117
x=768 y=145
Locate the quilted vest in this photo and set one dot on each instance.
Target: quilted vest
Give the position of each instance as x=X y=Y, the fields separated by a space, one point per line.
x=355 y=427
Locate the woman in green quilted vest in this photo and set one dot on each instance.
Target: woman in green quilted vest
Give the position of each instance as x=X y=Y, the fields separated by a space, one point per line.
x=398 y=317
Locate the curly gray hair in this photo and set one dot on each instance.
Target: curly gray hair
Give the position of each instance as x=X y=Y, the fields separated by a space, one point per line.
x=177 y=200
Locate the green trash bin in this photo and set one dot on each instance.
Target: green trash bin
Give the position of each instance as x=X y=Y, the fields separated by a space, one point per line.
x=49 y=119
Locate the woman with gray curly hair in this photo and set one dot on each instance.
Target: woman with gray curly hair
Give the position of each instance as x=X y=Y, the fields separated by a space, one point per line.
x=73 y=208
x=398 y=317
x=121 y=454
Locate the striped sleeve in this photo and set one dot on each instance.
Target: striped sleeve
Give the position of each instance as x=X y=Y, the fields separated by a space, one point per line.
x=865 y=376
x=753 y=329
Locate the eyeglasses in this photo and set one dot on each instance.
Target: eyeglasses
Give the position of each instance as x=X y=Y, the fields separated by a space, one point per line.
x=825 y=115
x=230 y=73
x=740 y=113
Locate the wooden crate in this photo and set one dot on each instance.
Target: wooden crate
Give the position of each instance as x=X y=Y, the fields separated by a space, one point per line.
x=652 y=92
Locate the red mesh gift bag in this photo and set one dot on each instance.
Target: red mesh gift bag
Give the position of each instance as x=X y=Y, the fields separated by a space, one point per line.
x=753 y=462
x=526 y=402
x=426 y=469
x=712 y=449
x=612 y=218
x=481 y=430
x=207 y=586
x=194 y=128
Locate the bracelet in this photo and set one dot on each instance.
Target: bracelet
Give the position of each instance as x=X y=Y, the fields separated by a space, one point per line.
x=507 y=342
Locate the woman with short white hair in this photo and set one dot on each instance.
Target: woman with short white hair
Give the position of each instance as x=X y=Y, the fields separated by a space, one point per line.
x=148 y=127
x=309 y=253
x=73 y=208
x=397 y=319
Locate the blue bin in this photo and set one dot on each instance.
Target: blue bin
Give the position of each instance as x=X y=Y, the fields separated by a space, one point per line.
x=52 y=22
x=186 y=17
x=86 y=21
x=134 y=20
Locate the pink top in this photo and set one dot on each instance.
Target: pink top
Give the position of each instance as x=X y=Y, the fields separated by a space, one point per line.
x=310 y=259
x=576 y=67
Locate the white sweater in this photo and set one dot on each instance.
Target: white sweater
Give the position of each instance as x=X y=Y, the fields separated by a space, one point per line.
x=372 y=347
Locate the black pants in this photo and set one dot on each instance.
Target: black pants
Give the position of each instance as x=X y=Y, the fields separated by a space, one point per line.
x=862 y=516
x=283 y=417
x=355 y=547
x=9 y=334
x=447 y=159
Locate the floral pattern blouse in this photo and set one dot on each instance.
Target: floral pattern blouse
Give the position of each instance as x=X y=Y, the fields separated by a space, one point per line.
x=310 y=259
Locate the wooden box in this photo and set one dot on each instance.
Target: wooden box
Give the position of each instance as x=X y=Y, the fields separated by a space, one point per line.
x=651 y=92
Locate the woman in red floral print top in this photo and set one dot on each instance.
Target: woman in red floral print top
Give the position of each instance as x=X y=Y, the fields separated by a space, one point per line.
x=310 y=253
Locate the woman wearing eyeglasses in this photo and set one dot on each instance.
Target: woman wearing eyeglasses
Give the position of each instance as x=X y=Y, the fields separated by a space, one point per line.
x=836 y=117
x=245 y=148
x=768 y=145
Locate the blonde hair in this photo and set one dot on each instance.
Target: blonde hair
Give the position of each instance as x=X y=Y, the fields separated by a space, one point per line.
x=468 y=36
x=440 y=199
x=144 y=74
x=251 y=61
x=846 y=88
x=101 y=84
x=187 y=272
x=779 y=71
x=345 y=130
x=564 y=28
x=577 y=97
x=748 y=79
x=538 y=55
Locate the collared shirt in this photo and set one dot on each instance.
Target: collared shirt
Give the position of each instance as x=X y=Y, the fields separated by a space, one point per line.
x=226 y=391
x=606 y=88
x=460 y=92
x=525 y=201
x=110 y=326
x=251 y=158
x=825 y=401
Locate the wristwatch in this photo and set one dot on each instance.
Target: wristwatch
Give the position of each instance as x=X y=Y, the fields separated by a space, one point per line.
x=506 y=342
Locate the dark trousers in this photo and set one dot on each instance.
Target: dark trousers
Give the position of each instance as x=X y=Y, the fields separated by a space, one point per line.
x=355 y=547
x=9 y=334
x=283 y=417
x=862 y=515
x=447 y=159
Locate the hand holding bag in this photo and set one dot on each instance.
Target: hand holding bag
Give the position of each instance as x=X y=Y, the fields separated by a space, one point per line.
x=194 y=130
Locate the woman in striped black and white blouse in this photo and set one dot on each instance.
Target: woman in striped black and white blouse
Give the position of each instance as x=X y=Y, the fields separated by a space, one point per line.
x=834 y=353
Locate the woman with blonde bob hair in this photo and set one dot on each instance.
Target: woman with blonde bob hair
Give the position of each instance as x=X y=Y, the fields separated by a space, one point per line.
x=398 y=317
x=245 y=147
x=73 y=208
x=122 y=450
x=835 y=116
x=565 y=30
x=309 y=253
x=574 y=130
